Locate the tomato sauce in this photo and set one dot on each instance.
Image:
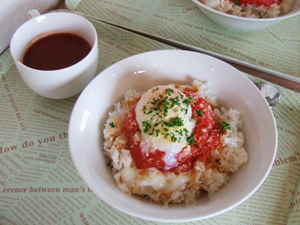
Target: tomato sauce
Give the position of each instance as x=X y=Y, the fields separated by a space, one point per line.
x=257 y=2
x=206 y=138
x=56 y=51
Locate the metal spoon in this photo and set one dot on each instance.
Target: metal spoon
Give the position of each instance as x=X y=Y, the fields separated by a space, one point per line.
x=271 y=93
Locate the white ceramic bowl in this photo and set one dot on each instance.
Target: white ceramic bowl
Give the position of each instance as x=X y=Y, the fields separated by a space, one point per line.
x=243 y=23
x=62 y=83
x=146 y=70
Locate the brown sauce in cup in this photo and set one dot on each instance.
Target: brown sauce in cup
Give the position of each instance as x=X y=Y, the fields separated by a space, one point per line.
x=56 y=51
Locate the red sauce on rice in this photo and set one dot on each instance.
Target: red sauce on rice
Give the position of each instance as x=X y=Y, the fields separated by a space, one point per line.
x=206 y=138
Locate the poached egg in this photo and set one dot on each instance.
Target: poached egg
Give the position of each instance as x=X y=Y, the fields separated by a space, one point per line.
x=164 y=116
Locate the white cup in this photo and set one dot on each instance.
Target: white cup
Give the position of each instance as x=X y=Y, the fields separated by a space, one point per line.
x=62 y=83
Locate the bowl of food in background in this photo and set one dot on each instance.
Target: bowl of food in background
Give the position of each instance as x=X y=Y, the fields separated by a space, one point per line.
x=172 y=136
x=248 y=14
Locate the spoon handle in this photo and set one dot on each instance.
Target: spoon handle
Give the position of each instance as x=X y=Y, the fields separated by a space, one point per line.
x=271 y=93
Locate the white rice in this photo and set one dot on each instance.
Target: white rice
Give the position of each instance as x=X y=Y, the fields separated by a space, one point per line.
x=250 y=10
x=167 y=187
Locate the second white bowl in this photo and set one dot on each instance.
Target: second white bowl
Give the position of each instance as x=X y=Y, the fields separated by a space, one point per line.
x=243 y=23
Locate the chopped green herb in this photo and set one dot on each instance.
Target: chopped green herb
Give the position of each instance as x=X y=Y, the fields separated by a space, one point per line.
x=155 y=89
x=149 y=112
x=152 y=117
x=199 y=113
x=262 y=16
x=174 y=101
x=157 y=132
x=190 y=140
x=109 y=163
x=225 y=125
x=173 y=138
x=236 y=2
x=112 y=124
x=186 y=131
x=147 y=126
x=169 y=91
x=186 y=101
x=174 y=122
